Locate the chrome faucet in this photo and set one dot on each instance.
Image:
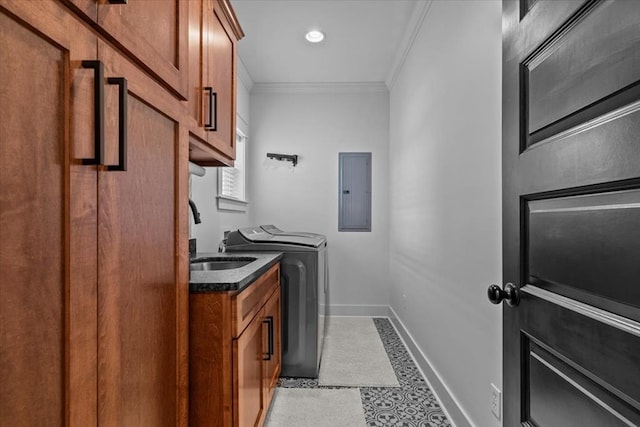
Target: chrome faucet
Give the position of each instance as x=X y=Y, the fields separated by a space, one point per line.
x=194 y=210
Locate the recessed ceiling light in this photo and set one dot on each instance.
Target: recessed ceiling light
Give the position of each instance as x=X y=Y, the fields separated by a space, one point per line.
x=314 y=36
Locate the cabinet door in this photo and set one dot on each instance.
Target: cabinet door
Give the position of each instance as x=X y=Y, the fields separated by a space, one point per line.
x=155 y=33
x=248 y=354
x=219 y=74
x=272 y=365
x=142 y=288
x=47 y=218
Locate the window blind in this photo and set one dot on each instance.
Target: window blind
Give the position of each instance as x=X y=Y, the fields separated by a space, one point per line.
x=232 y=178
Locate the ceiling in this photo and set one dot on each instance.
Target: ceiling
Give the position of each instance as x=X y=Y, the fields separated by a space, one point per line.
x=361 y=43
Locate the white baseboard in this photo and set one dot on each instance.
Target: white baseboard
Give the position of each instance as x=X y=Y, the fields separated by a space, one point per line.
x=451 y=407
x=359 y=310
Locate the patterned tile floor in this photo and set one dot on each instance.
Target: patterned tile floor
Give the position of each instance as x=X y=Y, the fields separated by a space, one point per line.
x=410 y=405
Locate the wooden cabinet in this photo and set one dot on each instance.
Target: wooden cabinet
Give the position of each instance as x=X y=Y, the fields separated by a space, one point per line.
x=249 y=351
x=212 y=81
x=142 y=311
x=234 y=353
x=41 y=229
x=155 y=34
x=93 y=245
x=189 y=47
x=94 y=264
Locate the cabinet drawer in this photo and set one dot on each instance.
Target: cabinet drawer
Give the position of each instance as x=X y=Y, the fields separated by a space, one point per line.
x=247 y=303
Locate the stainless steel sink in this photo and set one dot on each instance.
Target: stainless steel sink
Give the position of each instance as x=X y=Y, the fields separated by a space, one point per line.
x=220 y=263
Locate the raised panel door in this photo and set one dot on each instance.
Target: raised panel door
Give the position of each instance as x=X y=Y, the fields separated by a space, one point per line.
x=248 y=354
x=142 y=288
x=47 y=218
x=219 y=71
x=155 y=33
x=571 y=198
x=212 y=81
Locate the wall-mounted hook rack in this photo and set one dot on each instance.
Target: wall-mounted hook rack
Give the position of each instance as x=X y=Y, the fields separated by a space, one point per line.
x=293 y=158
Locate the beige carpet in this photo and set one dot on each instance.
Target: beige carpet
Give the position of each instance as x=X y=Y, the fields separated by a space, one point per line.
x=353 y=355
x=302 y=407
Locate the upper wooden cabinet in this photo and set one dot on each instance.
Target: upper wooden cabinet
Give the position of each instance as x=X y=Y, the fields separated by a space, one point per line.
x=189 y=47
x=153 y=33
x=212 y=81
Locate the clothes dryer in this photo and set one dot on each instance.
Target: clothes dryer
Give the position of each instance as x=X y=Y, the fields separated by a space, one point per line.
x=305 y=291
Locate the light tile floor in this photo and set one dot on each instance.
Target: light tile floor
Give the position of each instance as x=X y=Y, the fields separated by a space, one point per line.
x=411 y=405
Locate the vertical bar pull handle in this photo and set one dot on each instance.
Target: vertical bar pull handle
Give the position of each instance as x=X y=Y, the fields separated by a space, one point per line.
x=269 y=322
x=98 y=108
x=212 y=125
x=271 y=335
x=209 y=91
x=270 y=347
x=122 y=123
x=214 y=107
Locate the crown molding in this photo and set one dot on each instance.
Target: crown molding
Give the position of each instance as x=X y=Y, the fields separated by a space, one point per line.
x=243 y=75
x=327 y=87
x=418 y=15
x=232 y=19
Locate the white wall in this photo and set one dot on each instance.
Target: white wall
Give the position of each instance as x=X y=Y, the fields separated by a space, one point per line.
x=445 y=219
x=205 y=189
x=317 y=125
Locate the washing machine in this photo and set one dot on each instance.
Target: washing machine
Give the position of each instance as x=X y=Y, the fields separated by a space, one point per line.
x=304 y=278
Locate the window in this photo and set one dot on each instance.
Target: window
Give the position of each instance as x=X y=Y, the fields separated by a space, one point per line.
x=231 y=180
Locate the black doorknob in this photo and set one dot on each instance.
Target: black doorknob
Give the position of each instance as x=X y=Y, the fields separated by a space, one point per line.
x=510 y=294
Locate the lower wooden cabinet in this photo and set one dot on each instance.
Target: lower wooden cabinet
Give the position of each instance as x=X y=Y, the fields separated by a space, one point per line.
x=248 y=350
x=234 y=353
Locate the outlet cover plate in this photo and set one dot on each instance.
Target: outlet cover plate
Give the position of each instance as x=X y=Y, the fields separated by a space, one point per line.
x=496 y=401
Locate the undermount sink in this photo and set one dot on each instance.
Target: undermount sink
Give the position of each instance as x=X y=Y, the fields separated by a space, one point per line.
x=220 y=263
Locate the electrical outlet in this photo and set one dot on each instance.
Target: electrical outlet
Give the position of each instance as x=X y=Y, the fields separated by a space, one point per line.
x=496 y=401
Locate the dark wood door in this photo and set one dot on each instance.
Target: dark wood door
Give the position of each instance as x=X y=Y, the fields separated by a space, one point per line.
x=571 y=212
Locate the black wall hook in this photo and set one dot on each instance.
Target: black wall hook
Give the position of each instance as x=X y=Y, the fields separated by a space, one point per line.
x=293 y=158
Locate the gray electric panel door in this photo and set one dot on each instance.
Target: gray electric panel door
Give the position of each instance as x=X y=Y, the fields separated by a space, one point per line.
x=354 y=192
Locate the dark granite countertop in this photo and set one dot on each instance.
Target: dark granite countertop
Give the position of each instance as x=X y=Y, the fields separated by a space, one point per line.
x=235 y=279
